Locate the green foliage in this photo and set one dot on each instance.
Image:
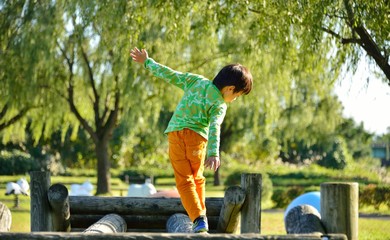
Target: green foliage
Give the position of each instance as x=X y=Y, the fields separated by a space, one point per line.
x=358 y=140
x=283 y=197
x=16 y=162
x=374 y=195
x=338 y=157
x=50 y=48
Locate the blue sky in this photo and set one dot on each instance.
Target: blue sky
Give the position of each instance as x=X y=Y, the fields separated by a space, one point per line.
x=367 y=102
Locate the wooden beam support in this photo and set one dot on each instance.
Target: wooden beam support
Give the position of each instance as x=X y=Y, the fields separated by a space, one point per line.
x=40 y=209
x=59 y=202
x=340 y=208
x=230 y=212
x=251 y=209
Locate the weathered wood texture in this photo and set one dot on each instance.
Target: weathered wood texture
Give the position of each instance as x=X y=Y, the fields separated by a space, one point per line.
x=251 y=209
x=162 y=236
x=136 y=205
x=230 y=212
x=140 y=222
x=303 y=219
x=179 y=223
x=5 y=218
x=40 y=209
x=111 y=223
x=59 y=202
x=339 y=208
x=139 y=213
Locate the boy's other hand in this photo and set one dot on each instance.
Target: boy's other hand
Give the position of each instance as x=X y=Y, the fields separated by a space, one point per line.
x=139 y=55
x=213 y=163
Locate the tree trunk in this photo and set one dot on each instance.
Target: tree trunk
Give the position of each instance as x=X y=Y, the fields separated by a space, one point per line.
x=217 y=181
x=103 y=167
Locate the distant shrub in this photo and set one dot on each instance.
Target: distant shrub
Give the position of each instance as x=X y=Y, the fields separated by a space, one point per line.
x=373 y=195
x=16 y=162
x=133 y=176
x=338 y=157
x=283 y=197
x=267 y=188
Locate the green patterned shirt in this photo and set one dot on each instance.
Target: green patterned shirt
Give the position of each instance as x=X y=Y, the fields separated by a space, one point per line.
x=202 y=108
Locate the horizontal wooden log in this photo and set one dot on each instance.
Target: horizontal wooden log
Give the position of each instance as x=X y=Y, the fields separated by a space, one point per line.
x=111 y=223
x=161 y=236
x=138 y=222
x=303 y=219
x=129 y=230
x=179 y=223
x=136 y=205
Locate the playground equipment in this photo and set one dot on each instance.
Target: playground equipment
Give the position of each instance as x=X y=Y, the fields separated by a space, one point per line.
x=52 y=209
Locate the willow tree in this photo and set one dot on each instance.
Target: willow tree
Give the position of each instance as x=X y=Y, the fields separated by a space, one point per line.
x=354 y=28
x=78 y=56
x=16 y=94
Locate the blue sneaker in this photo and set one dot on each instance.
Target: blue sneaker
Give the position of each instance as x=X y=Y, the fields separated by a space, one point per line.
x=200 y=225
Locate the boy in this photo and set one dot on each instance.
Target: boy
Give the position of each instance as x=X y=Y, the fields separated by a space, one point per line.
x=196 y=122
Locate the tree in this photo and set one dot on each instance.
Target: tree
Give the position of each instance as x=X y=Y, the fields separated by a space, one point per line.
x=16 y=97
x=352 y=27
x=79 y=54
x=76 y=61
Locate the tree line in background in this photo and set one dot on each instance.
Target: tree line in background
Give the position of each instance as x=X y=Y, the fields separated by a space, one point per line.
x=71 y=95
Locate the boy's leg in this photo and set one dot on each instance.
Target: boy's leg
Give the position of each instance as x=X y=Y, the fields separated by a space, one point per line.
x=187 y=151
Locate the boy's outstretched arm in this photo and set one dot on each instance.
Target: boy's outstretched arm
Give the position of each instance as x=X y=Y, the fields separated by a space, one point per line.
x=139 y=55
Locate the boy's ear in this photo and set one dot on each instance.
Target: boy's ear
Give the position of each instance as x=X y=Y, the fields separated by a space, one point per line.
x=231 y=88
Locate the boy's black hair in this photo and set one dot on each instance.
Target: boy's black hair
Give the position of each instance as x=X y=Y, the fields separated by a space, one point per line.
x=234 y=75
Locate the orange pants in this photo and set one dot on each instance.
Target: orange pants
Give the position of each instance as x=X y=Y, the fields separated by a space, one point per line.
x=187 y=155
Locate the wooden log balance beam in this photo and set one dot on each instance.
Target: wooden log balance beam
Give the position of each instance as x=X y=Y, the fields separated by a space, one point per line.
x=142 y=214
x=162 y=236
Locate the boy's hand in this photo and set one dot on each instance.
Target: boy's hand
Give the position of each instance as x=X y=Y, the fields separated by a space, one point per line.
x=139 y=55
x=213 y=163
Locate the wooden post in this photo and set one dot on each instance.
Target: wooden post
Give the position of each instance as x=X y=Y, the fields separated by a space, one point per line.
x=5 y=218
x=251 y=209
x=230 y=212
x=59 y=202
x=303 y=219
x=40 y=209
x=339 y=208
x=111 y=223
x=179 y=223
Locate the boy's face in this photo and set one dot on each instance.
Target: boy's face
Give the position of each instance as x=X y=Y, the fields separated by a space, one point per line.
x=229 y=95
